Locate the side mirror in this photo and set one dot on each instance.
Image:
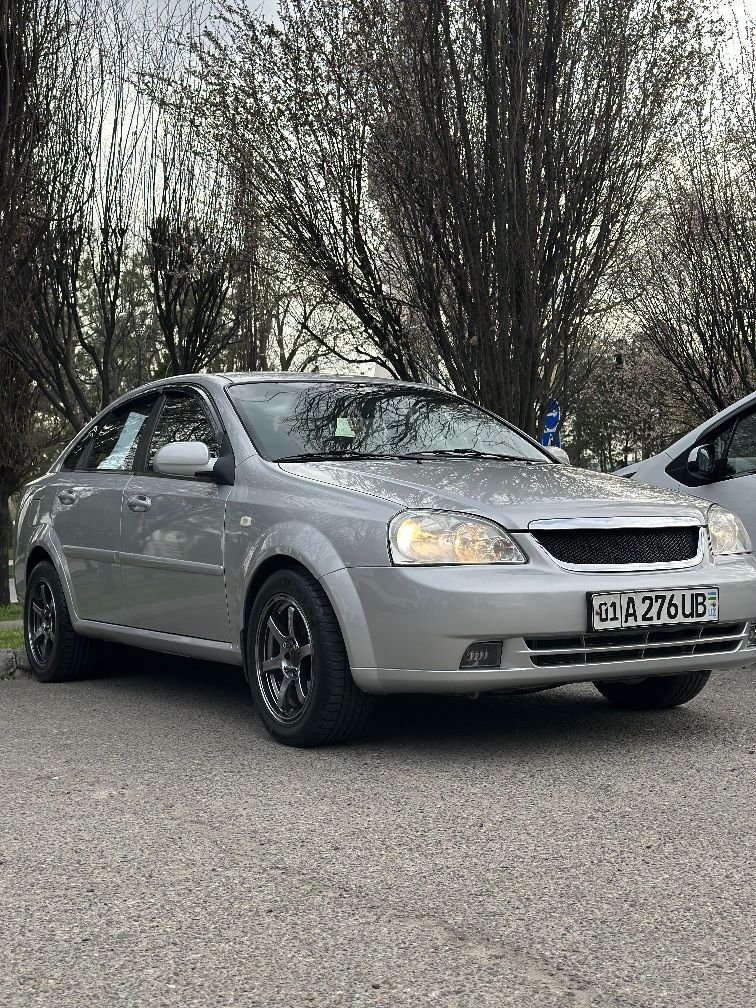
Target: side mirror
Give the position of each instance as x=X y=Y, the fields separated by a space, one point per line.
x=184 y=458
x=701 y=460
x=559 y=454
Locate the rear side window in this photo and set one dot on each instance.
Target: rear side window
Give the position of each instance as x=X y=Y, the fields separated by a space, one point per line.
x=116 y=437
x=183 y=418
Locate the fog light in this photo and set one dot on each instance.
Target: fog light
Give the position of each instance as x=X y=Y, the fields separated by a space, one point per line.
x=752 y=635
x=482 y=654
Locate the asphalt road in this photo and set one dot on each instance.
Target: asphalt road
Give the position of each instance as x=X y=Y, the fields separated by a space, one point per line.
x=157 y=849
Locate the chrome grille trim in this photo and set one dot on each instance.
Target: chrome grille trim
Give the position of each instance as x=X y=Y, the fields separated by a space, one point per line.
x=616 y=521
x=619 y=523
x=635 y=645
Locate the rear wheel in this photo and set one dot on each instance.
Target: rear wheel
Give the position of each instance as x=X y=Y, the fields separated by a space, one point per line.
x=655 y=693
x=297 y=665
x=55 y=651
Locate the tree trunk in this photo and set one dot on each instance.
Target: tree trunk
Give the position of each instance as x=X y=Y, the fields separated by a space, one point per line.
x=6 y=541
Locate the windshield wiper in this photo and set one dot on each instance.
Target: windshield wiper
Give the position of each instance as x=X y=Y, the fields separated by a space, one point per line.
x=333 y=456
x=475 y=453
x=336 y=456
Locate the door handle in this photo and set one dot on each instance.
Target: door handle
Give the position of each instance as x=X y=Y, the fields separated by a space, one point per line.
x=139 y=503
x=67 y=497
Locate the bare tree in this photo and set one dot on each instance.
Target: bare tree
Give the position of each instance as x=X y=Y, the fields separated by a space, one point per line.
x=517 y=142
x=629 y=407
x=224 y=293
x=191 y=279
x=91 y=164
x=17 y=404
x=32 y=35
x=291 y=114
x=462 y=176
x=253 y=298
x=695 y=280
x=204 y=261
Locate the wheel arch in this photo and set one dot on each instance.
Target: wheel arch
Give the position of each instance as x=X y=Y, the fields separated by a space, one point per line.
x=267 y=568
x=271 y=565
x=44 y=546
x=38 y=555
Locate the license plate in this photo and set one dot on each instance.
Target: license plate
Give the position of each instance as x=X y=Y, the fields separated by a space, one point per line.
x=625 y=610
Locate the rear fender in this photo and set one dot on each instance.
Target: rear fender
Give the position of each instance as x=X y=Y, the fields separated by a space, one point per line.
x=43 y=536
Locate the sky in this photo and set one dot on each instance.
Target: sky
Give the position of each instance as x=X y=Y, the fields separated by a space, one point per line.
x=739 y=6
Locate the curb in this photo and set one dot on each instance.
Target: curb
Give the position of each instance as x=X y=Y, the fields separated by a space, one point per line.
x=13 y=664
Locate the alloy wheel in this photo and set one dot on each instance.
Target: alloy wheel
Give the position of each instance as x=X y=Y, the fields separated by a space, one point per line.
x=41 y=623
x=283 y=658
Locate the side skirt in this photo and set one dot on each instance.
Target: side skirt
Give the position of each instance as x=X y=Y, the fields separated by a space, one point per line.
x=190 y=647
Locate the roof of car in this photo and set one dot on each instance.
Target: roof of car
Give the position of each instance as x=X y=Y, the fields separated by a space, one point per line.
x=240 y=377
x=224 y=379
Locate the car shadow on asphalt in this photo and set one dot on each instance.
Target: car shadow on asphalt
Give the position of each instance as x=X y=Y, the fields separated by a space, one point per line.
x=575 y=715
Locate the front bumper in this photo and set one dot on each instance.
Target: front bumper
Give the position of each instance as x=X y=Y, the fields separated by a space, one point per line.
x=406 y=628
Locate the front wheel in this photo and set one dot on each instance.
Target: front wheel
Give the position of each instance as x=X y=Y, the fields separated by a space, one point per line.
x=655 y=693
x=297 y=665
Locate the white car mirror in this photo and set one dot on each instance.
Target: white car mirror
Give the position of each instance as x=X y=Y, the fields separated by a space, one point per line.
x=559 y=454
x=184 y=458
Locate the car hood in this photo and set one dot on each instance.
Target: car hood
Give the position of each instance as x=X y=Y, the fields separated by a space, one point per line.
x=512 y=493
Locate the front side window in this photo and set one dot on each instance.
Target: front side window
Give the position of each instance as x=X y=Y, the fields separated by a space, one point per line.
x=182 y=418
x=340 y=419
x=739 y=457
x=116 y=437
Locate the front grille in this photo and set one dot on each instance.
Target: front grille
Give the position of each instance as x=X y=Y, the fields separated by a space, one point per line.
x=610 y=547
x=634 y=645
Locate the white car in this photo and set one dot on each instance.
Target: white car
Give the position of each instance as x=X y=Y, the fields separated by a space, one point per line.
x=716 y=461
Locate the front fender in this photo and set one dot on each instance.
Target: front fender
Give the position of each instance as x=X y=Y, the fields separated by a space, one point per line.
x=245 y=556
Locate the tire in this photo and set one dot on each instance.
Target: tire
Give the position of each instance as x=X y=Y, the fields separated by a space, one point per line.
x=297 y=665
x=66 y=655
x=654 y=693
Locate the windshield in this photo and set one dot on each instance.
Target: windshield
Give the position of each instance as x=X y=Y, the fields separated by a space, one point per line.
x=299 y=420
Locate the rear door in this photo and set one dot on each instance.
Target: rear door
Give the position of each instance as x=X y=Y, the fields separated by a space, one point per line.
x=172 y=531
x=86 y=507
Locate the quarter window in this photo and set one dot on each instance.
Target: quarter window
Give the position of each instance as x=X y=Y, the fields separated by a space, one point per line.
x=117 y=437
x=182 y=418
x=71 y=460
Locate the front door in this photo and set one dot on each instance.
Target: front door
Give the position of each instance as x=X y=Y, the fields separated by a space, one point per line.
x=734 y=485
x=86 y=508
x=172 y=533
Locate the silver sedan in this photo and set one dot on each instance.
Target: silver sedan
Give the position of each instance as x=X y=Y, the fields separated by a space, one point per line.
x=345 y=537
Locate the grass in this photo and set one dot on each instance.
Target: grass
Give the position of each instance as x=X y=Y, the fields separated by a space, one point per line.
x=13 y=638
x=12 y=611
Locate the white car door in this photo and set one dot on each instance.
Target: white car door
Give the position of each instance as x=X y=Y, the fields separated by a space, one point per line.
x=733 y=482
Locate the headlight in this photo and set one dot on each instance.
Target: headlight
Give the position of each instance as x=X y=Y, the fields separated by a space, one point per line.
x=443 y=537
x=727 y=533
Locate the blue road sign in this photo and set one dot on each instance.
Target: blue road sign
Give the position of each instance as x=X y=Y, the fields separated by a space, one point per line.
x=551 y=425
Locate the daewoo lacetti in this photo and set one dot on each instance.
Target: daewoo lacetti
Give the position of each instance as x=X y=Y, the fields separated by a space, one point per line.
x=342 y=537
